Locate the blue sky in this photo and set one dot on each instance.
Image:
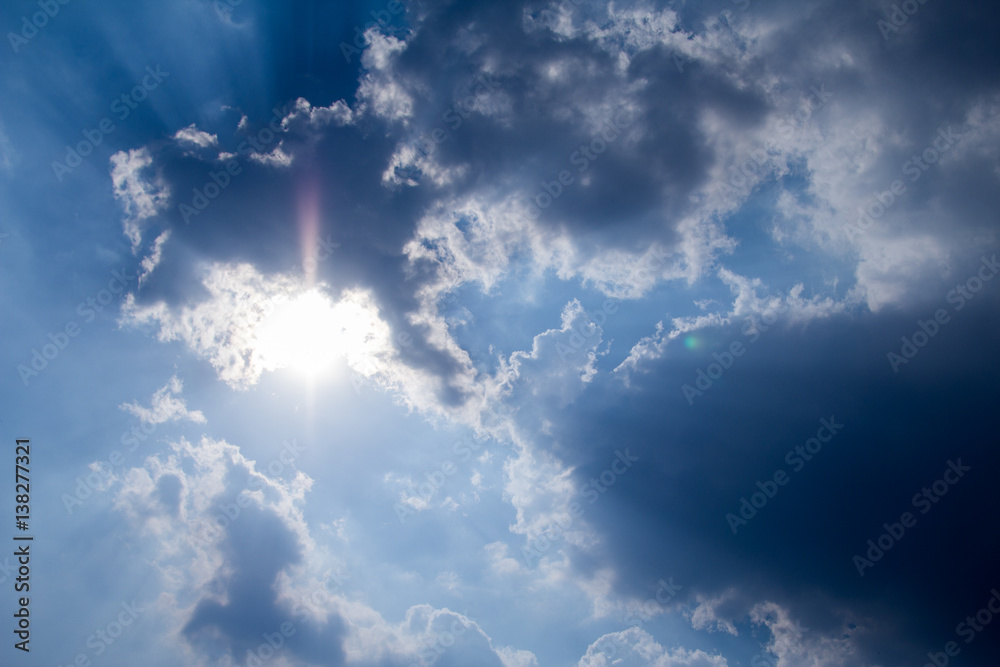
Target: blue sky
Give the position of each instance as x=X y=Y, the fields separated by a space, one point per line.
x=516 y=334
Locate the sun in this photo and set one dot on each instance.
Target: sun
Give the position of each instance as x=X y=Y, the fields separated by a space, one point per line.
x=302 y=334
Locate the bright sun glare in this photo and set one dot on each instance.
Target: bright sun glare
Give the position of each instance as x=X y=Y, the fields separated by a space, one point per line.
x=302 y=334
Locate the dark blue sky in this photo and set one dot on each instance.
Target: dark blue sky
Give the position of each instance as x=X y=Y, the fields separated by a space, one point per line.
x=515 y=334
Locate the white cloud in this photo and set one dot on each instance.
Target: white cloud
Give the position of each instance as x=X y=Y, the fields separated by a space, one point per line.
x=541 y=488
x=499 y=561
x=276 y=158
x=142 y=199
x=192 y=136
x=636 y=648
x=203 y=472
x=412 y=164
x=152 y=260
x=224 y=327
x=790 y=307
x=561 y=362
x=426 y=635
x=233 y=327
x=707 y=615
x=888 y=268
x=167 y=405
x=515 y=658
x=382 y=91
x=796 y=646
x=303 y=112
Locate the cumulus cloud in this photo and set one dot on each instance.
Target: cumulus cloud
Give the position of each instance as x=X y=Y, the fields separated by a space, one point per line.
x=560 y=363
x=436 y=636
x=303 y=112
x=231 y=539
x=223 y=533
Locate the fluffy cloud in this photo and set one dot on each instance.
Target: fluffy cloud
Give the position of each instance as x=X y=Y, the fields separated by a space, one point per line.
x=243 y=328
x=304 y=113
x=560 y=363
x=192 y=136
x=167 y=405
x=382 y=93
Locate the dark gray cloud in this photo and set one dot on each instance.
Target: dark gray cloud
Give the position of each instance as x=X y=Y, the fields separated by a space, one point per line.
x=668 y=516
x=257 y=547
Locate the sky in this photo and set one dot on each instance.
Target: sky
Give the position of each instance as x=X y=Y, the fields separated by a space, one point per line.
x=515 y=334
